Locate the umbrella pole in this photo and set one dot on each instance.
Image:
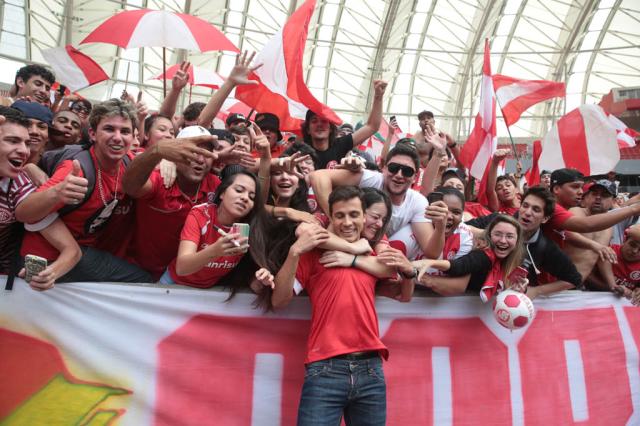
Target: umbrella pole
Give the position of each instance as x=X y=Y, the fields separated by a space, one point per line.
x=164 y=71
x=190 y=89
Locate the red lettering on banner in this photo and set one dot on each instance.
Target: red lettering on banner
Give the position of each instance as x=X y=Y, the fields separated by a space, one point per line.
x=543 y=366
x=479 y=371
x=205 y=369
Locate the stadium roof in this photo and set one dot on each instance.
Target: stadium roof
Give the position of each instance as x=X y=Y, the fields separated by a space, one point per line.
x=430 y=51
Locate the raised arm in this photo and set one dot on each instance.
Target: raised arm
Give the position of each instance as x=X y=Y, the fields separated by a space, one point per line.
x=492 y=177
x=375 y=115
x=323 y=181
x=439 y=143
x=393 y=125
x=598 y=222
x=178 y=82
x=239 y=75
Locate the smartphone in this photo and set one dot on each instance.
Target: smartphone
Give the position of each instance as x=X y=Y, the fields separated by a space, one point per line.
x=61 y=89
x=392 y=118
x=435 y=196
x=518 y=274
x=240 y=228
x=33 y=265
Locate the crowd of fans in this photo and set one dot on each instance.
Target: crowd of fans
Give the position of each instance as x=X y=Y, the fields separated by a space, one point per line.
x=113 y=192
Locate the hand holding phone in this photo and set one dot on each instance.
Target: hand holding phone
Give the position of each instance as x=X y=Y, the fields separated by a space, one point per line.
x=435 y=196
x=33 y=265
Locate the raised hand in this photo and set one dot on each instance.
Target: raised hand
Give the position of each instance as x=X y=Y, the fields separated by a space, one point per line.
x=435 y=138
x=500 y=155
x=260 y=141
x=181 y=77
x=184 y=150
x=379 y=87
x=265 y=278
x=437 y=212
x=240 y=72
x=74 y=187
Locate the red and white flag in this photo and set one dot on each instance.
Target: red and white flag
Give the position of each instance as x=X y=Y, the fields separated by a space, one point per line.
x=73 y=68
x=532 y=176
x=584 y=139
x=482 y=142
x=516 y=96
x=626 y=137
x=282 y=89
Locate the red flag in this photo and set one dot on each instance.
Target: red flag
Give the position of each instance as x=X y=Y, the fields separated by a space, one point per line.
x=73 y=68
x=282 y=90
x=583 y=139
x=516 y=96
x=482 y=142
x=533 y=175
x=625 y=136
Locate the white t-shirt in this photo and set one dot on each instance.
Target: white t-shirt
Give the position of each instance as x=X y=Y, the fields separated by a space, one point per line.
x=411 y=210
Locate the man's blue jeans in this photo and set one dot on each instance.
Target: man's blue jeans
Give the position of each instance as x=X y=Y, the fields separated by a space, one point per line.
x=333 y=387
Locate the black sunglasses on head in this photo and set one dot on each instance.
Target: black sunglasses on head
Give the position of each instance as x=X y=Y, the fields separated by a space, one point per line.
x=406 y=170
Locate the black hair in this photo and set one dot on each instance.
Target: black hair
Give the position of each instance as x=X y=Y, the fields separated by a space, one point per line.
x=371 y=196
x=150 y=120
x=449 y=190
x=506 y=177
x=222 y=134
x=14 y=116
x=28 y=71
x=302 y=148
x=193 y=110
x=545 y=195
x=333 y=130
x=427 y=114
x=228 y=180
x=404 y=150
x=345 y=193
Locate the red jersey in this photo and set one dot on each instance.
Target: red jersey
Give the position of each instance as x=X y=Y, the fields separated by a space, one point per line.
x=494 y=282
x=160 y=215
x=12 y=193
x=552 y=228
x=199 y=229
x=88 y=223
x=476 y=209
x=315 y=209
x=343 y=313
x=627 y=274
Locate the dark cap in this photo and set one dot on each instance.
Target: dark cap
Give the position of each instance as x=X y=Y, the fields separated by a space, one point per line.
x=452 y=171
x=266 y=120
x=609 y=186
x=346 y=126
x=235 y=117
x=427 y=114
x=545 y=172
x=223 y=135
x=34 y=110
x=562 y=176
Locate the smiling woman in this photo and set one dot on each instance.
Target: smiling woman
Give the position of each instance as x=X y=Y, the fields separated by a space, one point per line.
x=209 y=246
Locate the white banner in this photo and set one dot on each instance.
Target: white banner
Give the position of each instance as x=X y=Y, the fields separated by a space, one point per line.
x=98 y=354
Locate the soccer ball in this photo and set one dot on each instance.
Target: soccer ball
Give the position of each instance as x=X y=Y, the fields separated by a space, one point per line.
x=513 y=309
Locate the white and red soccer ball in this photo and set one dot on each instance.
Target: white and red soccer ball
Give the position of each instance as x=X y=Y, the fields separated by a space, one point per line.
x=513 y=309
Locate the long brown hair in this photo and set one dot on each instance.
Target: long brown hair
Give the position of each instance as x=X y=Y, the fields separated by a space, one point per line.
x=514 y=259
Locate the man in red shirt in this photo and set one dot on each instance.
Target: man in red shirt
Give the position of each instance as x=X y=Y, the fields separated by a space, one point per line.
x=624 y=277
x=161 y=211
x=101 y=224
x=343 y=365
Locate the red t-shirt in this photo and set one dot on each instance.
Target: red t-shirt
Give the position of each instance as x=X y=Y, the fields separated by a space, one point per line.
x=494 y=282
x=553 y=228
x=199 y=229
x=476 y=209
x=160 y=215
x=627 y=274
x=85 y=223
x=343 y=313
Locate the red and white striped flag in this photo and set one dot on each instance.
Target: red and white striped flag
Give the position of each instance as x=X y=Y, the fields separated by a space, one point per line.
x=532 y=176
x=516 y=96
x=584 y=139
x=626 y=137
x=282 y=89
x=73 y=68
x=483 y=142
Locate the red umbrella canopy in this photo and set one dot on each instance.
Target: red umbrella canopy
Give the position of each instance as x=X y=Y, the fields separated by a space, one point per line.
x=197 y=76
x=160 y=28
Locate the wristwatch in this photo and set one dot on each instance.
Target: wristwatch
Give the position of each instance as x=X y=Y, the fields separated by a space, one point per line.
x=413 y=274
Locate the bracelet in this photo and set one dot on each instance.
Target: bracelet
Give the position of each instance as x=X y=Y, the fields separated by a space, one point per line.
x=273 y=211
x=353 y=262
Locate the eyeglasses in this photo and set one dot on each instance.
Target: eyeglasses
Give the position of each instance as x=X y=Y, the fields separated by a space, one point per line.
x=406 y=170
x=80 y=109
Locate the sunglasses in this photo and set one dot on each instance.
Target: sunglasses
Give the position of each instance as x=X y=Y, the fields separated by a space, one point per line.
x=406 y=170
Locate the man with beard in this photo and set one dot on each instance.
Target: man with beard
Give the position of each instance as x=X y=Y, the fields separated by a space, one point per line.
x=409 y=206
x=597 y=199
x=160 y=211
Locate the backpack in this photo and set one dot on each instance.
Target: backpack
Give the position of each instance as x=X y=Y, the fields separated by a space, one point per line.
x=52 y=159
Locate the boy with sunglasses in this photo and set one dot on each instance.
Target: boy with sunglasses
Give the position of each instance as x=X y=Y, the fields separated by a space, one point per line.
x=396 y=178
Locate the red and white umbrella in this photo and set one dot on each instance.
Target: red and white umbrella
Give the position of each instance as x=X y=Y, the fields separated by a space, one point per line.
x=159 y=28
x=198 y=76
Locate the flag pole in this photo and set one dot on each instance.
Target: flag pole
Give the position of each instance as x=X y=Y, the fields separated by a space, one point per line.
x=164 y=71
x=513 y=144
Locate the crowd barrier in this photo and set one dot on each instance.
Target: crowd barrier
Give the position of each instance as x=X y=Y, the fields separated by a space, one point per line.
x=97 y=354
